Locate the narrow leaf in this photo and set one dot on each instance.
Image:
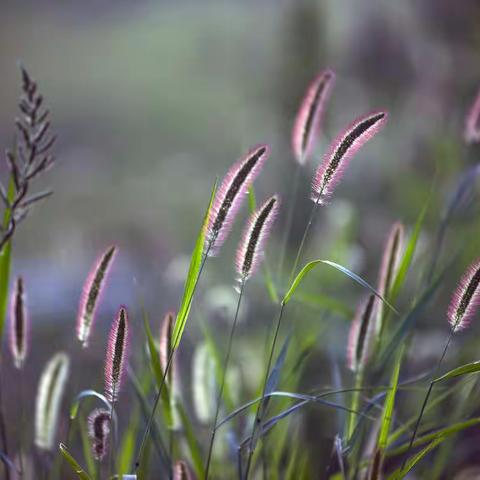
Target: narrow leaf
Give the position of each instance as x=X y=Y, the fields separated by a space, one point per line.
x=473 y=367
x=73 y=463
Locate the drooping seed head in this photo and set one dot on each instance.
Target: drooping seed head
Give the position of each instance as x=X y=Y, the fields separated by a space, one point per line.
x=334 y=163
x=309 y=116
x=166 y=342
x=360 y=336
x=99 y=431
x=251 y=249
x=466 y=298
x=91 y=293
x=49 y=397
x=230 y=195
x=117 y=352
x=471 y=133
x=181 y=471
x=19 y=324
x=392 y=255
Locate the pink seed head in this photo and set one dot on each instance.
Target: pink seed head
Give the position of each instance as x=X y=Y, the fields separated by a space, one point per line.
x=98 y=431
x=341 y=151
x=360 y=337
x=230 y=195
x=117 y=352
x=181 y=471
x=91 y=294
x=392 y=255
x=471 y=133
x=19 y=324
x=466 y=298
x=166 y=342
x=309 y=116
x=251 y=248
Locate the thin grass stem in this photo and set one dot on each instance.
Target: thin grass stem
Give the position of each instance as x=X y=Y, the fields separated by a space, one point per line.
x=425 y=400
x=224 y=376
x=355 y=402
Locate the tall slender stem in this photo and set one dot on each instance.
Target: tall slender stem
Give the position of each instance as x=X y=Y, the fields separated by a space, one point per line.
x=260 y=406
x=289 y=221
x=355 y=401
x=224 y=375
x=427 y=396
x=110 y=453
x=167 y=367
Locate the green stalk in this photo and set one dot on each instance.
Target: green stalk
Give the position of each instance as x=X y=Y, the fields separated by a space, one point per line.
x=355 y=403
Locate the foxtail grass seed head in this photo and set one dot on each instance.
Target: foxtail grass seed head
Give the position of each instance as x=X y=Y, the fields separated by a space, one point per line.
x=466 y=298
x=166 y=340
x=99 y=431
x=360 y=336
x=251 y=249
x=392 y=255
x=19 y=324
x=471 y=133
x=203 y=383
x=181 y=471
x=230 y=195
x=49 y=398
x=117 y=352
x=91 y=293
x=336 y=160
x=309 y=116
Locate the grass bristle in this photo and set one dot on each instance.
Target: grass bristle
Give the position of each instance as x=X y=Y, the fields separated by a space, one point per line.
x=98 y=431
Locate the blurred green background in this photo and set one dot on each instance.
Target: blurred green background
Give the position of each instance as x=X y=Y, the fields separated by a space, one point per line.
x=151 y=100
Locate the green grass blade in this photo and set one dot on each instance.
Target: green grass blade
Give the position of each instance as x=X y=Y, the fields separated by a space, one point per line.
x=192 y=277
x=5 y=264
x=314 y=263
x=401 y=473
x=390 y=402
x=473 y=367
x=128 y=444
x=73 y=463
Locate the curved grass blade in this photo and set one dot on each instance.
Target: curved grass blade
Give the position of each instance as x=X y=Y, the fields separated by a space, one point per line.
x=401 y=473
x=309 y=266
x=390 y=402
x=473 y=367
x=192 y=277
x=78 y=470
x=75 y=405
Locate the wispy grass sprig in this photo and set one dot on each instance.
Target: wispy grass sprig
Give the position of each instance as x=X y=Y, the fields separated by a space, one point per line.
x=336 y=160
x=463 y=307
x=91 y=293
x=98 y=431
x=231 y=194
x=31 y=156
x=49 y=396
x=471 y=132
x=116 y=359
x=391 y=257
x=248 y=258
x=309 y=116
x=19 y=324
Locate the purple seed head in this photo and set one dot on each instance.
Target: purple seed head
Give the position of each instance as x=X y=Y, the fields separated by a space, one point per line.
x=360 y=337
x=91 y=293
x=99 y=431
x=230 y=195
x=19 y=324
x=309 y=116
x=250 y=251
x=471 y=133
x=117 y=351
x=166 y=342
x=341 y=151
x=466 y=298
x=392 y=254
x=181 y=471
